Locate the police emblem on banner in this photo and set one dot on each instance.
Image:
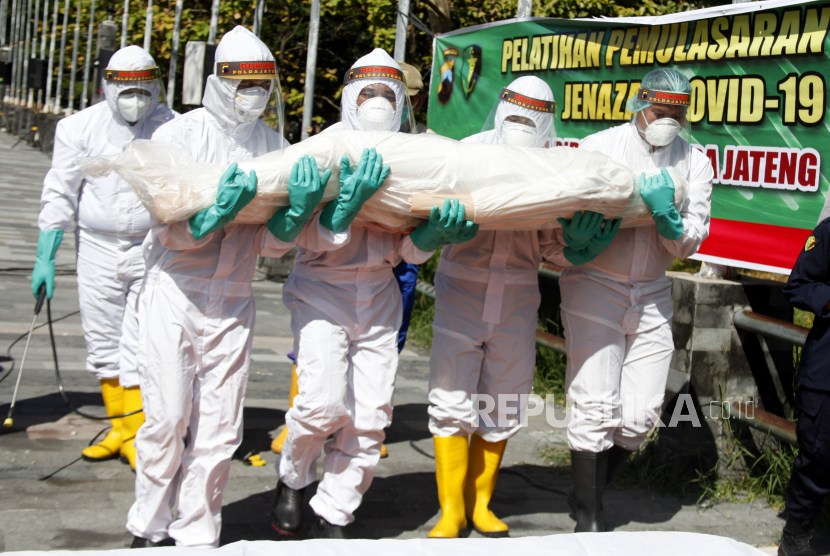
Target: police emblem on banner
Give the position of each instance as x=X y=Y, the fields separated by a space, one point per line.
x=470 y=68
x=445 y=86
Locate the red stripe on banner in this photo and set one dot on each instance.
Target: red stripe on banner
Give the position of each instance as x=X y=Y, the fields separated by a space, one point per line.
x=761 y=244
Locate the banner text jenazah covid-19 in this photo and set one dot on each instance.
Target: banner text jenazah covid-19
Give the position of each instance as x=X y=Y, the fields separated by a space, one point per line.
x=758 y=103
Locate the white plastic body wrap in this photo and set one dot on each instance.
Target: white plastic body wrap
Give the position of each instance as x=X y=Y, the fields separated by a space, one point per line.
x=503 y=187
x=618 y=543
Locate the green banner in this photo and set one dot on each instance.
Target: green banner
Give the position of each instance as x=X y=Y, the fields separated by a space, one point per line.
x=758 y=102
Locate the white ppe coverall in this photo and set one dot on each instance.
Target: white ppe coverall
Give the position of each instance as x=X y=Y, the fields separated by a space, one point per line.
x=346 y=310
x=197 y=316
x=486 y=303
x=110 y=221
x=617 y=309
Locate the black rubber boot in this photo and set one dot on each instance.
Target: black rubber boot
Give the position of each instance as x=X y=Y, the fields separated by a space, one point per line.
x=796 y=538
x=616 y=461
x=140 y=542
x=287 y=515
x=590 y=472
x=322 y=529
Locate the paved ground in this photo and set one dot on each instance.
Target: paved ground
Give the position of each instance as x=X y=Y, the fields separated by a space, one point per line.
x=52 y=500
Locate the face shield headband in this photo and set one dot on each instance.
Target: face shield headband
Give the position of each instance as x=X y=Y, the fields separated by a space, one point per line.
x=524 y=101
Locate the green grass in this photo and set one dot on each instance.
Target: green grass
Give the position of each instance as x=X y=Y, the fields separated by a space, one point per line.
x=684 y=265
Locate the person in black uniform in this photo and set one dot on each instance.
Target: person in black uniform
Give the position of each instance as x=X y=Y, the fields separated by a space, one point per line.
x=809 y=289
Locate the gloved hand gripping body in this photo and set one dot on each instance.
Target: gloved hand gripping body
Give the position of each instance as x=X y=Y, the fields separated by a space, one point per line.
x=355 y=189
x=446 y=225
x=598 y=243
x=44 y=272
x=658 y=195
x=579 y=230
x=236 y=189
x=305 y=190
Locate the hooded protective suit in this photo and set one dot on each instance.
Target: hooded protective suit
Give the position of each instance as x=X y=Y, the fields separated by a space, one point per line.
x=486 y=299
x=617 y=309
x=197 y=317
x=111 y=221
x=345 y=314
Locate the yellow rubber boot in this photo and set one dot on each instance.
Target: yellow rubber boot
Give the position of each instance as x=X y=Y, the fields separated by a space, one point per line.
x=485 y=459
x=132 y=402
x=276 y=444
x=108 y=448
x=450 y=470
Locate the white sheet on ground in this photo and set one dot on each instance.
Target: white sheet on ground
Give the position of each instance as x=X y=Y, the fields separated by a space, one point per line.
x=583 y=544
x=502 y=186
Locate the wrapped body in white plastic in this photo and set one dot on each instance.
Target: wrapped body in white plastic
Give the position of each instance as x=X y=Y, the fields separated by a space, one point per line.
x=542 y=184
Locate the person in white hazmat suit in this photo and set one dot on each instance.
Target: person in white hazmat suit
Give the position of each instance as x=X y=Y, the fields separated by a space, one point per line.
x=346 y=311
x=110 y=223
x=616 y=305
x=486 y=302
x=197 y=309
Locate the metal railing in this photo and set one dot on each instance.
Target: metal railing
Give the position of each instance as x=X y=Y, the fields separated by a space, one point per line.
x=766 y=422
x=776 y=329
x=770 y=327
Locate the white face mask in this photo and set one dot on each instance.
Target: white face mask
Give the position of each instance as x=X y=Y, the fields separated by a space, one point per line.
x=661 y=132
x=376 y=114
x=248 y=104
x=519 y=135
x=133 y=106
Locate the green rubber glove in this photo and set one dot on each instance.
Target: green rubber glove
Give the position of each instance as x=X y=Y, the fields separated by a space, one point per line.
x=598 y=243
x=44 y=272
x=658 y=195
x=236 y=189
x=305 y=190
x=581 y=228
x=355 y=189
x=446 y=225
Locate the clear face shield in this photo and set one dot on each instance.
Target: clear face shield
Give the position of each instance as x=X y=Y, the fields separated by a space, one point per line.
x=258 y=94
x=377 y=102
x=664 y=130
x=133 y=93
x=522 y=121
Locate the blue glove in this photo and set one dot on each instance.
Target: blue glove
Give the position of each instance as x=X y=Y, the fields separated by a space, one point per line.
x=446 y=225
x=580 y=229
x=658 y=194
x=598 y=243
x=44 y=272
x=305 y=190
x=355 y=189
x=236 y=189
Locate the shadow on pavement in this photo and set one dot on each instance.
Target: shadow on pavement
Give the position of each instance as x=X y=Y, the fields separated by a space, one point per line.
x=47 y=409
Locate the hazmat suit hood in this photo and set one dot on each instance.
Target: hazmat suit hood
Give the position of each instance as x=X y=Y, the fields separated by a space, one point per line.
x=238 y=45
x=131 y=59
x=508 y=105
x=348 y=102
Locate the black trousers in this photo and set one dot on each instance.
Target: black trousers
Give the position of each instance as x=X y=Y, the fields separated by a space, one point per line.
x=810 y=481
